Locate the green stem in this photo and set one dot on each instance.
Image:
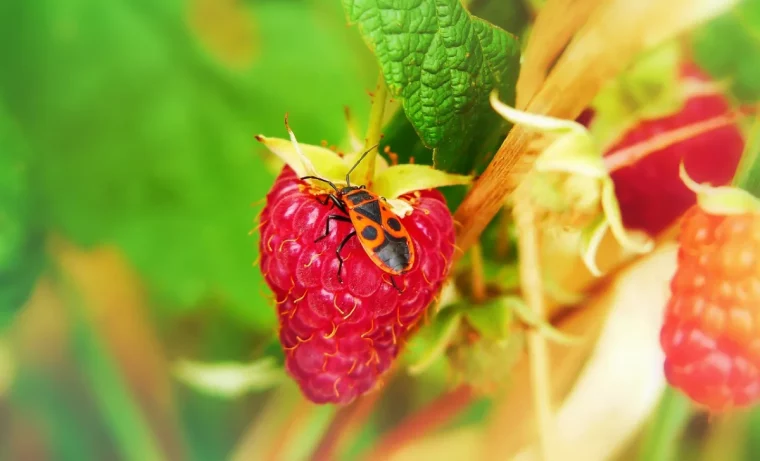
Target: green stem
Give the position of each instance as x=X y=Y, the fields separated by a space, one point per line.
x=375 y=124
x=532 y=287
x=661 y=439
x=422 y=422
x=121 y=414
x=748 y=172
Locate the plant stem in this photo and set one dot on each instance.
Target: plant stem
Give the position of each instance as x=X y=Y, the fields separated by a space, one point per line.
x=269 y=425
x=531 y=284
x=502 y=238
x=375 y=125
x=662 y=435
x=123 y=417
x=290 y=431
x=347 y=421
x=748 y=172
x=344 y=426
x=478 y=274
x=632 y=154
x=728 y=433
x=569 y=89
x=431 y=417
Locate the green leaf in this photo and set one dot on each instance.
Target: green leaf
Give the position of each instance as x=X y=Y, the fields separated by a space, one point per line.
x=492 y=320
x=440 y=334
x=511 y=15
x=660 y=441
x=752 y=442
x=728 y=47
x=402 y=179
x=21 y=243
x=442 y=63
x=748 y=172
x=145 y=140
x=8 y=366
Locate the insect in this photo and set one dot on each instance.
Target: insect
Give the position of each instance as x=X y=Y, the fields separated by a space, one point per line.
x=380 y=232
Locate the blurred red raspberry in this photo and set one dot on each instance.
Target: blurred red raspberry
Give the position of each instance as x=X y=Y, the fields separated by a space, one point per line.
x=650 y=193
x=711 y=333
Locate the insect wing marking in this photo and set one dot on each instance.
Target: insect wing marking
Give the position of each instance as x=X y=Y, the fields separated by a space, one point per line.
x=358 y=197
x=388 y=248
x=395 y=253
x=371 y=210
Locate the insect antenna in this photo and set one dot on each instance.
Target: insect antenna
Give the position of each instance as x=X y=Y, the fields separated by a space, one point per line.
x=320 y=179
x=348 y=180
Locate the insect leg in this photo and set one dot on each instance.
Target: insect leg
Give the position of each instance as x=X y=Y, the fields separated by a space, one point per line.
x=332 y=217
x=393 y=282
x=340 y=248
x=335 y=201
x=338 y=204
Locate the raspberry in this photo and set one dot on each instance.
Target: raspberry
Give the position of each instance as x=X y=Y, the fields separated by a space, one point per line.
x=650 y=194
x=711 y=332
x=339 y=339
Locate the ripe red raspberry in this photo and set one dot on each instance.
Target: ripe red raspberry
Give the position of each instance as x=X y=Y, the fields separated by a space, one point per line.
x=340 y=338
x=711 y=333
x=650 y=193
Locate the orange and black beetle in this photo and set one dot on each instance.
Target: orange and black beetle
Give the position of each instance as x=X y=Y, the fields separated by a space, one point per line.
x=383 y=237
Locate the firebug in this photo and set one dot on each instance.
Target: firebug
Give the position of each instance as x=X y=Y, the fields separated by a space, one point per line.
x=380 y=232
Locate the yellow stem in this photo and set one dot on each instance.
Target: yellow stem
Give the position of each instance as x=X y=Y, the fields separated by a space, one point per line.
x=269 y=425
x=478 y=274
x=375 y=124
x=744 y=176
x=502 y=238
x=531 y=284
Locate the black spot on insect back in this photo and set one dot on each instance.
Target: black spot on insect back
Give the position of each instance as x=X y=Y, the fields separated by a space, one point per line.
x=369 y=233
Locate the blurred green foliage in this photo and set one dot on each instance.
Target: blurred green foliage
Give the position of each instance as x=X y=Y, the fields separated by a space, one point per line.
x=131 y=123
x=60 y=417
x=143 y=125
x=132 y=436
x=21 y=256
x=729 y=48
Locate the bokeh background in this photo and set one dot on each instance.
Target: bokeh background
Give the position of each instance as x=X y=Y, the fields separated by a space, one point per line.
x=128 y=153
x=130 y=182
